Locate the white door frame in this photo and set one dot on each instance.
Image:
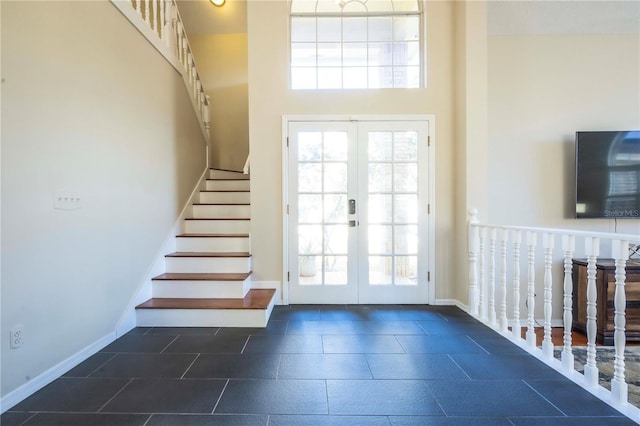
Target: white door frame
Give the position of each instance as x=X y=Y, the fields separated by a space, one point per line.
x=429 y=118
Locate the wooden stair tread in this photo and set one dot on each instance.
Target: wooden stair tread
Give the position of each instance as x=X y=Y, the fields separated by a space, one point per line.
x=208 y=254
x=228 y=179
x=191 y=276
x=255 y=299
x=212 y=236
x=221 y=204
x=217 y=218
x=225 y=190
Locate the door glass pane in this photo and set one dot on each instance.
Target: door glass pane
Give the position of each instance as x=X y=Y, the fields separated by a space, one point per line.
x=335 y=177
x=335 y=270
x=310 y=177
x=380 y=146
x=405 y=146
x=406 y=270
x=310 y=270
x=379 y=208
x=309 y=146
x=380 y=270
x=309 y=239
x=336 y=237
x=380 y=239
x=380 y=177
x=310 y=208
x=336 y=146
x=335 y=208
x=406 y=239
x=405 y=177
x=405 y=208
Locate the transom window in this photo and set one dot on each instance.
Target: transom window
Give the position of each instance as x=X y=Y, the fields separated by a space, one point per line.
x=356 y=44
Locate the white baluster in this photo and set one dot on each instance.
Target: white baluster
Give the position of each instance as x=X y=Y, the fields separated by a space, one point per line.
x=482 y=290
x=516 y=329
x=492 y=276
x=207 y=121
x=154 y=22
x=163 y=20
x=502 y=309
x=590 y=369
x=569 y=246
x=548 y=244
x=474 y=235
x=147 y=12
x=619 y=387
x=531 y=289
x=178 y=35
x=185 y=55
x=139 y=8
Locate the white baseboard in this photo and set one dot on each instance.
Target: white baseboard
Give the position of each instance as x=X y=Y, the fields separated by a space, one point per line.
x=42 y=380
x=270 y=284
x=451 y=302
x=143 y=293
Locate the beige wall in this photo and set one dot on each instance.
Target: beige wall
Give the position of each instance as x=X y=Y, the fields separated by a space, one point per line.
x=270 y=99
x=88 y=107
x=561 y=76
x=222 y=65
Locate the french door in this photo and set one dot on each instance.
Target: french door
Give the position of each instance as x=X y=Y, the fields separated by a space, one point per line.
x=358 y=212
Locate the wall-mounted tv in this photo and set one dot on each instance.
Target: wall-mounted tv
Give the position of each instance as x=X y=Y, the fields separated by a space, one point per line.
x=608 y=174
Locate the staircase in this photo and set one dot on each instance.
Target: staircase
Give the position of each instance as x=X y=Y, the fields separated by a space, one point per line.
x=207 y=282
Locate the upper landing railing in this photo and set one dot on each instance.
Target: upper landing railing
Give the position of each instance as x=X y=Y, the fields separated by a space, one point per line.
x=495 y=295
x=160 y=22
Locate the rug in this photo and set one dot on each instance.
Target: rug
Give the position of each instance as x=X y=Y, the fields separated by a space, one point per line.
x=604 y=362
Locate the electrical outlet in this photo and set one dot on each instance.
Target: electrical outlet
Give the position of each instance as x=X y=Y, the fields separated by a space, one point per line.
x=17 y=336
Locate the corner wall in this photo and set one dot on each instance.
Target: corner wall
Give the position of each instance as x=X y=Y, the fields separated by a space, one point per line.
x=89 y=109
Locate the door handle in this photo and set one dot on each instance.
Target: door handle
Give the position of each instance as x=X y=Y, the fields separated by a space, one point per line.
x=352 y=206
x=353 y=223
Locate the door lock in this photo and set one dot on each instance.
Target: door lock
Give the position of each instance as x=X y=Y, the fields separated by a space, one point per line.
x=352 y=206
x=353 y=223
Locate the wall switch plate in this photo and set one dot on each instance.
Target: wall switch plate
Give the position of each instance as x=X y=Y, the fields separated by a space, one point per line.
x=16 y=334
x=67 y=201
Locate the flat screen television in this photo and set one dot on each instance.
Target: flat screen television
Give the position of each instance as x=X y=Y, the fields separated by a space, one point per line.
x=608 y=174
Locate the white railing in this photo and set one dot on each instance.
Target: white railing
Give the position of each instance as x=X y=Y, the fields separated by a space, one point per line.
x=488 y=298
x=159 y=21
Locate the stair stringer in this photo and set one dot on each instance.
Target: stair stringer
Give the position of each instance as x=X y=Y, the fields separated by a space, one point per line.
x=128 y=319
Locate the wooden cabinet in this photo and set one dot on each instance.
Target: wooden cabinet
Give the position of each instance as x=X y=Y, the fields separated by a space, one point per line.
x=606 y=287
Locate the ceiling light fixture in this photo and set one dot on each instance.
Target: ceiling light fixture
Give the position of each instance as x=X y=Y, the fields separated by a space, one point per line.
x=218 y=3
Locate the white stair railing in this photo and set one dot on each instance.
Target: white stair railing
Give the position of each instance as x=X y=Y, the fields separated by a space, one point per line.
x=488 y=302
x=160 y=22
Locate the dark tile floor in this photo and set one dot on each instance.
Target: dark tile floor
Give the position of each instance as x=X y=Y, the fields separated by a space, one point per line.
x=316 y=365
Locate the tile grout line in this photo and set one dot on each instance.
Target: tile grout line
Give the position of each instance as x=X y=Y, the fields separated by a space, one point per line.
x=30 y=417
x=479 y=345
x=113 y=397
x=545 y=398
x=190 y=365
x=457 y=365
x=102 y=365
x=246 y=342
x=169 y=344
x=148 y=420
x=220 y=397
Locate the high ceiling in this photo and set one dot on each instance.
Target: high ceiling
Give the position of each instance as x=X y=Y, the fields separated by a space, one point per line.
x=201 y=17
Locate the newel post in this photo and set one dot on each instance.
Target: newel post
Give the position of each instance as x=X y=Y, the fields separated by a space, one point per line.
x=474 y=237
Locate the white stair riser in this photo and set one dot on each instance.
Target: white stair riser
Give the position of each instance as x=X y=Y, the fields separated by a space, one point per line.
x=225 y=197
x=217 y=226
x=203 y=317
x=201 y=289
x=222 y=211
x=223 y=174
x=227 y=185
x=215 y=245
x=208 y=264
